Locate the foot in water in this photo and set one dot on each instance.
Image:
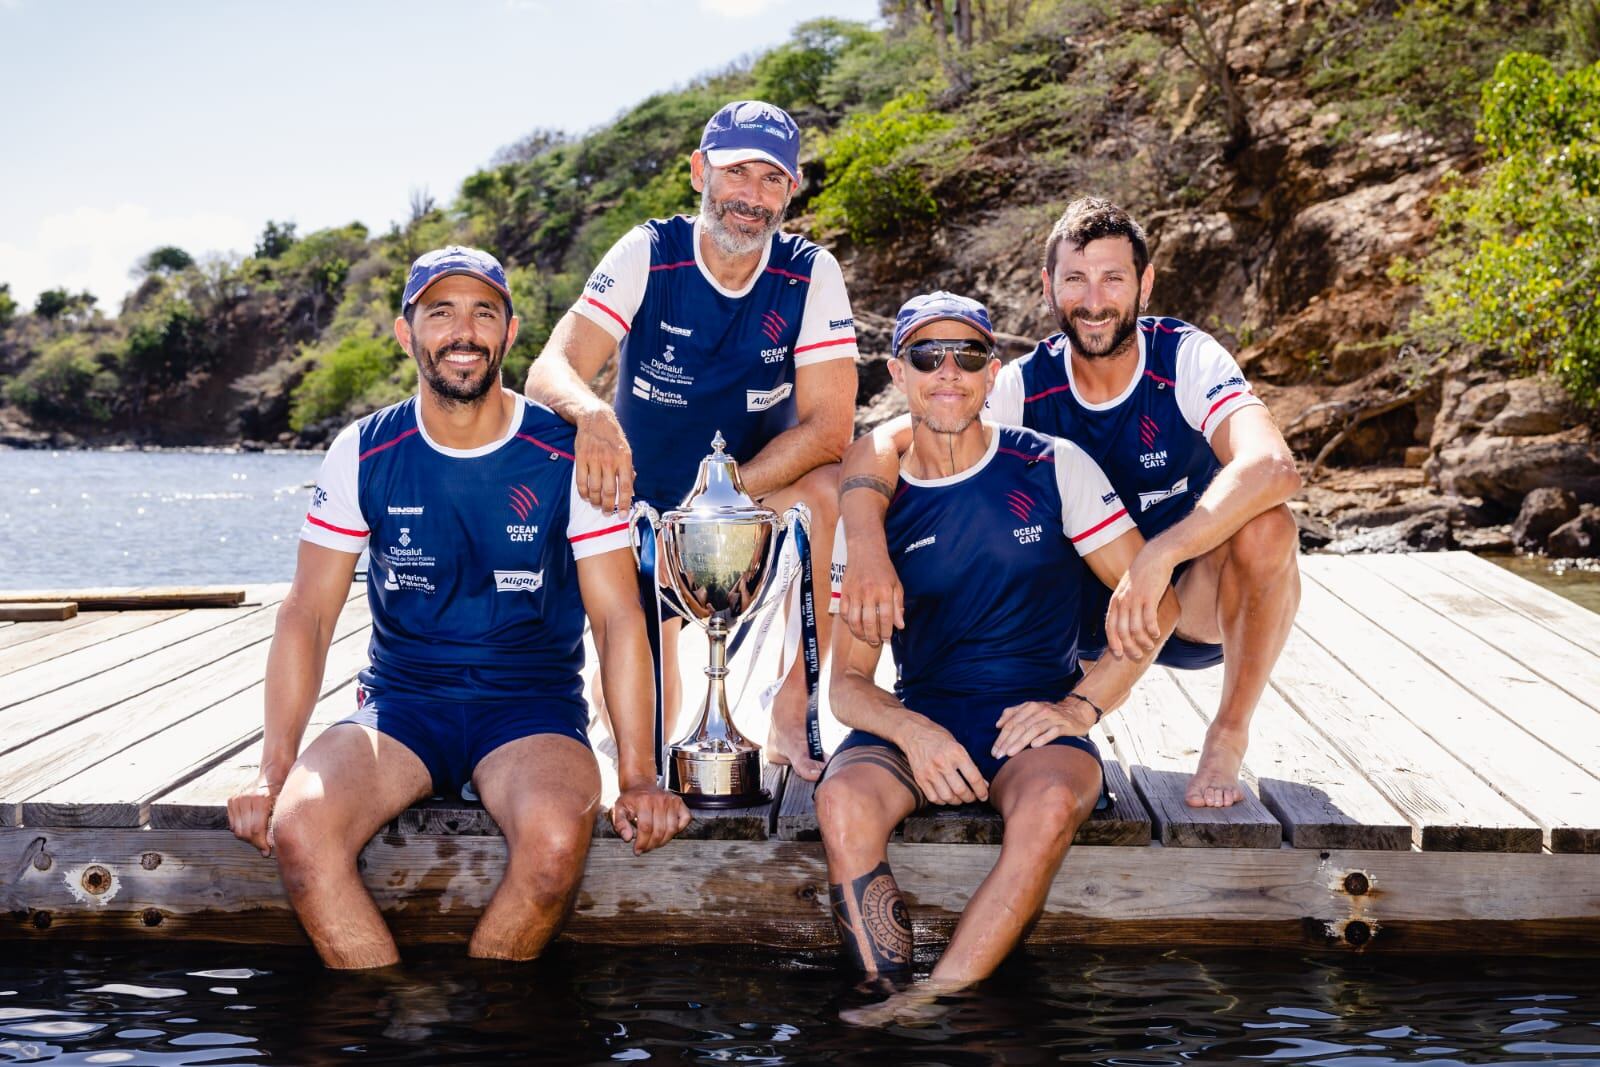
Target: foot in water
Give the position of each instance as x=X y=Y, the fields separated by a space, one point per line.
x=1216 y=777
x=918 y=1005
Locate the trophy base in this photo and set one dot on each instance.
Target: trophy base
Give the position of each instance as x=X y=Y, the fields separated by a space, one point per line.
x=710 y=801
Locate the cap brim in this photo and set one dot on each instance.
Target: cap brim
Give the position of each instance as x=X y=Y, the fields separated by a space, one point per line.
x=468 y=272
x=731 y=157
x=942 y=316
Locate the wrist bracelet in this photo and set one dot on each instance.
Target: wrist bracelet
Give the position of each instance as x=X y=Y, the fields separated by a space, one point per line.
x=1099 y=712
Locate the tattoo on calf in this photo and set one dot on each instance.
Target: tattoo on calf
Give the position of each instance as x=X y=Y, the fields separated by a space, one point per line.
x=874 y=924
x=867 y=481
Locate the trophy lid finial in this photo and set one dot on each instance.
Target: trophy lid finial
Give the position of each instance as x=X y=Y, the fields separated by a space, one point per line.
x=718 y=445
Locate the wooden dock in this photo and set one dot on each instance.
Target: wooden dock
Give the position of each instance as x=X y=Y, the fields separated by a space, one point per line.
x=1424 y=776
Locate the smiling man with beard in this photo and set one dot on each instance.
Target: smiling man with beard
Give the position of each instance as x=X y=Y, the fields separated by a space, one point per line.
x=1167 y=414
x=719 y=323
x=484 y=561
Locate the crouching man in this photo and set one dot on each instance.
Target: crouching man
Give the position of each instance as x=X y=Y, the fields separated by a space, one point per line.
x=994 y=533
x=484 y=561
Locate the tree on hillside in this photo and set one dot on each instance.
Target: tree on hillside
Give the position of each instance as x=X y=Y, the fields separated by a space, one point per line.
x=1206 y=40
x=792 y=75
x=1518 y=262
x=8 y=304
x=168 y=259
x=276 y=239
x=54 y=304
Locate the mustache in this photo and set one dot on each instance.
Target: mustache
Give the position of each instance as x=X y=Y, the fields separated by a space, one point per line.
x=461 y=346
x=1085 y=314
x=745 y=208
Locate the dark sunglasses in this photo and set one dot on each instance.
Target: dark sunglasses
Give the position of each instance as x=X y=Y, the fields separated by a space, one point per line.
x=928 y=356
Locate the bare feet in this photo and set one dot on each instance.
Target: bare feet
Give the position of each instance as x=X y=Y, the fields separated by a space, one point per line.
x=1216 y=777
x=786 y=739
x=917 y=1005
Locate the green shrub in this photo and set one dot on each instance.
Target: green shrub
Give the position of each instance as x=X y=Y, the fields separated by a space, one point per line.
x=793 y=74
x=355 y=369
x=67 y=382
x=1517 y=264
x=876 y=169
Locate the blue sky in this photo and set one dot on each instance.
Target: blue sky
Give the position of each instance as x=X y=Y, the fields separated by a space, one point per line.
x=192 y=122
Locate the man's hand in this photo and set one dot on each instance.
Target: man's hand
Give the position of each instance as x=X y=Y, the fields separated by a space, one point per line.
x=604 y=460
x=871 y=599
x=942 y=768
x=648 y=816
x=250 y=813
x=1039 y=722
x=1132 y=626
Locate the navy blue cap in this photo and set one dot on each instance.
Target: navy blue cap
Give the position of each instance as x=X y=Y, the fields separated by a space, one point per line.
x=933 y=307
x=454 y=259
x=753 y=129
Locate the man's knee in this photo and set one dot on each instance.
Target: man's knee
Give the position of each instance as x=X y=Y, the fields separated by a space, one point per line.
x=1267 y=543
x=308 y=844
x=1055 y=808
x=548 y=843
x=849 y=818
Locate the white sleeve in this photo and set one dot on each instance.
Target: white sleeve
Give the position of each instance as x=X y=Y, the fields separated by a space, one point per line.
x=612 y=295
x=1210 y=385
x=836 y=569
x=334 y=519
x=1004 y=406
x=590 y=531
x=1092 y=515
x=827 y=327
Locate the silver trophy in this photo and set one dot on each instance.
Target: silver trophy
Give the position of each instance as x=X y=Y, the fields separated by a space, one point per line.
x=716 y=552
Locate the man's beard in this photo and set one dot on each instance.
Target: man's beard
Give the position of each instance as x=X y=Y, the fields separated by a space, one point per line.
x=1126 y=325
x=451 y=387
x=953 y=424
x=732 y=241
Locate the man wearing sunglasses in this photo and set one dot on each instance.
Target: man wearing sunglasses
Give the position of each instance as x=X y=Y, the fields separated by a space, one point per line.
x=719 y=323
x=1166 y=412
x=995 y=532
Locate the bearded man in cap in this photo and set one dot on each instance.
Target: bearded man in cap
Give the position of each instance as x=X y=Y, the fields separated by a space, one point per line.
x=484 y=560
x=719 y=322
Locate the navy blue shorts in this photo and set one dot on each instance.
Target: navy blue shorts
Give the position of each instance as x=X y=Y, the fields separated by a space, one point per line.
x=976 y=731
x=1179 y=652
x=451 y=739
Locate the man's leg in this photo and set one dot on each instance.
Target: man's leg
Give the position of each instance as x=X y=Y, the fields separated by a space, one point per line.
x=866 y=793
x=1043 y=794
x=542 y=791
x=341 y=791
x=1243 y=593
x=786 y=742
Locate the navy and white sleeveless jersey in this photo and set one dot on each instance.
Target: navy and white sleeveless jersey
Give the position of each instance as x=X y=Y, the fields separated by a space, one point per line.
x=1153 y=441
x=991 y=564
x=695 y=358
x=472 y=576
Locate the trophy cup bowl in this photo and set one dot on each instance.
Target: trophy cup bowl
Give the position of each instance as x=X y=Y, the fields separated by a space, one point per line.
x=716 y=553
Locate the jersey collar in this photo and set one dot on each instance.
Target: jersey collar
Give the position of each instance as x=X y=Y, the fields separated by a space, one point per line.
x=518 y=406
x=970 y=472
x=1133 y=382
x=766 y=257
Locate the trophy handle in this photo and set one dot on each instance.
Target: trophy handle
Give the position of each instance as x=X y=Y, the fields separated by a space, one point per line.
x=641 y=510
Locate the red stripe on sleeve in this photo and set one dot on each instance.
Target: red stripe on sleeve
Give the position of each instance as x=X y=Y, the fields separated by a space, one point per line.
x=1101 y=525
x=379 y=448
x=620 y=321
x=548 y=448
x=1218 y=404
x=827 y=344
x=598 y=533
x=313 y=520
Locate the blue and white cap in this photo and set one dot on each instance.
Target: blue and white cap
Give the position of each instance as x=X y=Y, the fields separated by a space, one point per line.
x=935 y=306
x=455 y=259
x=753 y=129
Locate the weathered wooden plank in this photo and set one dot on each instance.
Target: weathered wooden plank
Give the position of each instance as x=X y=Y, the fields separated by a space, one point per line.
x=202 y=804
x=1450 y=807
x=13 y=633
x=39 y=611
x=1553 y=662
x=53 y=641
x=797 y=811
x=175 y=884
x=117 y=790
x=1402 y=650
x=133 y=598
x=103 y=674
x=1321 y=797
x=1157 y=734
x=1568 y=621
